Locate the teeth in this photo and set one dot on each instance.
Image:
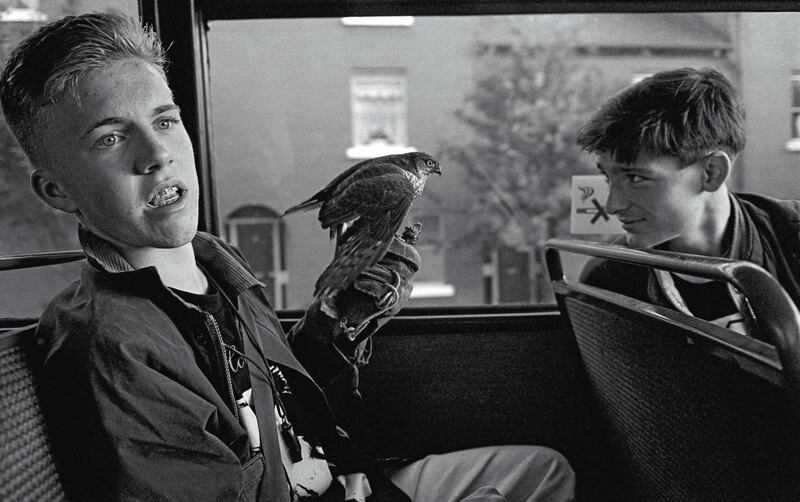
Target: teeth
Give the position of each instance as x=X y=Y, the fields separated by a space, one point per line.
x=165 y=196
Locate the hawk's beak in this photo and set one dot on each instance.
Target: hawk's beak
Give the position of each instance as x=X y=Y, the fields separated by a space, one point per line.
x=437 y=171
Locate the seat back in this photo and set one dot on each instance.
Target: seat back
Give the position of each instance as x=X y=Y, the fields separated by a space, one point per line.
x=27 y=467
x=692 y=411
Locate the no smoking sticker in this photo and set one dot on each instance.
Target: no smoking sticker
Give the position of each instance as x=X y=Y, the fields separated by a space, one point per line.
x=588 y=214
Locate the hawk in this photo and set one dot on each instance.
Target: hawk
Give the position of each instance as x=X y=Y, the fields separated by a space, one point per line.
x=364 y=207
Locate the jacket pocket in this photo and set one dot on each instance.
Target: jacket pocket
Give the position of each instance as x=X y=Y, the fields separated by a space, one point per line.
x=252 y=472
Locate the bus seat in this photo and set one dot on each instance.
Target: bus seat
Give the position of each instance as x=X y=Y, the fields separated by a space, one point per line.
x=691 y=411
x=27 y=467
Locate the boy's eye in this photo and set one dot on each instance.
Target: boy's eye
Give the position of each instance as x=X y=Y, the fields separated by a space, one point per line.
x=166 y=123
x=108 y=140
x=635 y=178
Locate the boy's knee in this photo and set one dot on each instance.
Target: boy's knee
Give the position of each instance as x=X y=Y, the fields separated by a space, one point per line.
x=558 y=478
x=556 y=459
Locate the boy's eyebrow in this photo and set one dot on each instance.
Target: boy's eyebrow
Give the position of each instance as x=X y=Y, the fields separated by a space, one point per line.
x=116 y=120
x=166 y=108
x=629 y=168
x=101 y=123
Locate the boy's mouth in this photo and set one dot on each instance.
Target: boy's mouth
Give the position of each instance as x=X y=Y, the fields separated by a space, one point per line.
x=166 y=196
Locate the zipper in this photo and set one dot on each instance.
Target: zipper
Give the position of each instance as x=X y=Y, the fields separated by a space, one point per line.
x=221 y=345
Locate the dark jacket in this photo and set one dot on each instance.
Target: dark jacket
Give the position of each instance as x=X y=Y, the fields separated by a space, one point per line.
x=766 y=231
x=132 y=415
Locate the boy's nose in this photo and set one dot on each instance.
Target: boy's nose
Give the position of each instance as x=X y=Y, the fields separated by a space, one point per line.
x=616 y=200
x=153 y=154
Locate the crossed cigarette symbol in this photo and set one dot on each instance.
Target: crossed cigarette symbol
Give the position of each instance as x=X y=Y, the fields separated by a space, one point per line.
x=598 y=211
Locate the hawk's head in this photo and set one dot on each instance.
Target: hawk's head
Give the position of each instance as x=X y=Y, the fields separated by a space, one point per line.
x=424 y=164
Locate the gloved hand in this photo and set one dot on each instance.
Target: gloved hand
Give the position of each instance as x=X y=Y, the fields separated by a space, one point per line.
x=378 y=293
x=338 y=331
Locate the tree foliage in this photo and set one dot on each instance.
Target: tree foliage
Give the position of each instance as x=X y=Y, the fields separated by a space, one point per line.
x=523 y=114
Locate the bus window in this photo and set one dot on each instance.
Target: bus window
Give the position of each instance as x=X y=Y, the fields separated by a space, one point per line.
x=497 y=99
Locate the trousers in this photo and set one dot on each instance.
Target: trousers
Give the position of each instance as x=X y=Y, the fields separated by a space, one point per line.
x=517 y=473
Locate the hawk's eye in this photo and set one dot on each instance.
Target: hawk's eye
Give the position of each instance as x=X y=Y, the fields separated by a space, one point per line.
x=431 y=163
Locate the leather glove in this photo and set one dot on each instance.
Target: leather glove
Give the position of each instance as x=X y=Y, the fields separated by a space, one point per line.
x=378 y=293
x=341 y=329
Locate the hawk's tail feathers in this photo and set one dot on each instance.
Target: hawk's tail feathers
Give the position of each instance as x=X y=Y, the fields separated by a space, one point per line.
x=303 y=206
x=352 y=259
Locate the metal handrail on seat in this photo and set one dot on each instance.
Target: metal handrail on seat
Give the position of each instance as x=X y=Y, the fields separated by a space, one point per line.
x=30 y=260
x=776 y=315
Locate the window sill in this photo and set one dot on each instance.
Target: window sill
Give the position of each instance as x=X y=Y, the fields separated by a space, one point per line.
x=793 y=145
x=372 y=151
x=432 y=290
x=402 y=21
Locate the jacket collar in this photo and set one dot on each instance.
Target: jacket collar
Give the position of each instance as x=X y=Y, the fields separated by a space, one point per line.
x=746 y=243
x=740 y=246
x=210 y=253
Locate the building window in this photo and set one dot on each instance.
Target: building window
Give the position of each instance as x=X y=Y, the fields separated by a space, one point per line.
x=794 y=141
x=379 y=111
x=256 y=231
x=429 y=281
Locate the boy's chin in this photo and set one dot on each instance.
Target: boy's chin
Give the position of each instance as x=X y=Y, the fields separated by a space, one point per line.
x=642 y=241
x=177 y=239
x=171 y=240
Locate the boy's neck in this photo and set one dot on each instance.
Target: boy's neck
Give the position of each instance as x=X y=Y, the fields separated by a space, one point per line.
x=709 y=238
x=176 y=266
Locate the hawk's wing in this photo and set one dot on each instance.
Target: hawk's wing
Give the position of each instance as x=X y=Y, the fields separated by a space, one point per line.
x=380 y=204
x=375 y=187
x=365 y=168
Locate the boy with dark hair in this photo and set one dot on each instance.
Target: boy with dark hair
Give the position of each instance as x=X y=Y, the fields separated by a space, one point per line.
x=166 y=373
x=667 y=145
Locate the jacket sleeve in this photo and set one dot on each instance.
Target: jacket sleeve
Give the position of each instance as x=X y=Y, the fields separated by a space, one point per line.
x=131 y=422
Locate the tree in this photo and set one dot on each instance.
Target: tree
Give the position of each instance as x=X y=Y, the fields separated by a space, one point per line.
x=528 y=101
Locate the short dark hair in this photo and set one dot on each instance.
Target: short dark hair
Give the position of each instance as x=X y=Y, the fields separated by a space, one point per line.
x=681 y=113
x=50 y=63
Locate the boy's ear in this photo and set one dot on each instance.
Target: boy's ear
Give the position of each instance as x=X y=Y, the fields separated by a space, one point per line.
x=50 y=191
x=716 y=168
